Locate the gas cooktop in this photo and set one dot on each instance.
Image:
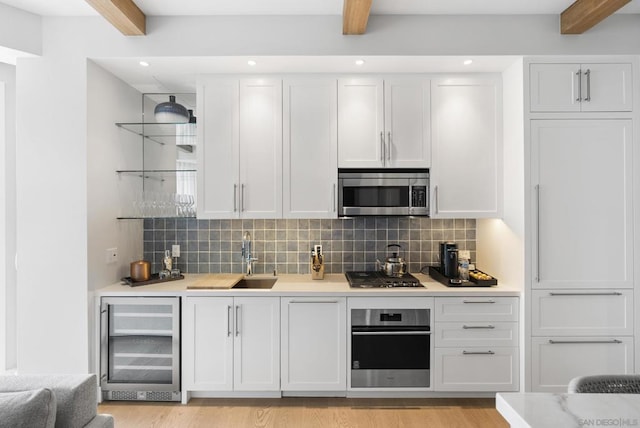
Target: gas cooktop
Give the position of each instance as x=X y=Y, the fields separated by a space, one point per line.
x=374 y=279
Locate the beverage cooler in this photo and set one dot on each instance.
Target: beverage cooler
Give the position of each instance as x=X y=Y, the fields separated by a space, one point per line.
x=140 y=348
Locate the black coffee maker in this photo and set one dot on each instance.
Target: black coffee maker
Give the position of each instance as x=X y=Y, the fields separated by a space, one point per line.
x=449 y=259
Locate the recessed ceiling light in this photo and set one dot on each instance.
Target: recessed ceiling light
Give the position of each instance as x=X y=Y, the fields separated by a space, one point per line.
x=144 y=63
x=251 y=62
x=359 y=62
x=468 y=62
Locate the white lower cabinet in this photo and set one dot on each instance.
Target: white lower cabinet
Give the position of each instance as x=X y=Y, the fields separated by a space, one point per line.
x=313 y=347
x=231 y=344
x=579 y=332
x=557 y=360
x=582 y=312
x=476 y=344
x=487 y=368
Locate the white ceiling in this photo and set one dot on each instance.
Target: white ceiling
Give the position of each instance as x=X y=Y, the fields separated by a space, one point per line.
x=310 y=7
x=169 y=74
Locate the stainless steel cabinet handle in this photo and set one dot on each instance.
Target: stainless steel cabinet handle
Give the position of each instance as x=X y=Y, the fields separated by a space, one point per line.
x=478 y=301
x=333 y=198
x=435 y=198
x=478 y=353
x=612 y=293
x=579 y=74
x=382 y=147
x=104 y=343
x=557 y=342
x=389 y=146
x=312 y=301
x=238 y=320
x=242 y=197
x=537 y=233
x=228 y=321
x=588 y=74
x=467 y=327
x=390 y=333
x=235 y=197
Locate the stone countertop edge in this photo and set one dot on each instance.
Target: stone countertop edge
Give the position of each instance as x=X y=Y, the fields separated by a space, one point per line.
x=302 y=285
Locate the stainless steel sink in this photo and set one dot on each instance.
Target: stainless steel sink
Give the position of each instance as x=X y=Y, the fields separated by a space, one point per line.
x=263 y=283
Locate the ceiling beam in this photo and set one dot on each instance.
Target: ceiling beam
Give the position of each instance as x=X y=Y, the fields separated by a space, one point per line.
x=122 y=14
x=355 y=15
x=584 y=14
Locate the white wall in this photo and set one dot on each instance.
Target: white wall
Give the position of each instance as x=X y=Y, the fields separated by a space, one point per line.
x=54 y=159
x=7 y=218
x=500 y=242
x=109 y=148
x=20 y=33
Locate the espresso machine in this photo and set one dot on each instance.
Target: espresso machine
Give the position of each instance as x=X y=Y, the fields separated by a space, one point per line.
x=449 y=259
x=317 y=262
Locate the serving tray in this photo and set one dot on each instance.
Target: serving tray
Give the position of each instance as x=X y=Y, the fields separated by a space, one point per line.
x=155 y=279
x=434 y=272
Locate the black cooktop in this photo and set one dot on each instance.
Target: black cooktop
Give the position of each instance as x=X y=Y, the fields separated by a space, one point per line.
x=374 y=279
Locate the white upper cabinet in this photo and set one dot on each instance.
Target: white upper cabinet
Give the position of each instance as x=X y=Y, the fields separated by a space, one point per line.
x=407 y=121
x=240 y=154
x=466 y=171
x=310 y=146
x=580 y=87
x=581 y=199
x=384 y=123
x=218 y=148
x=261 y=148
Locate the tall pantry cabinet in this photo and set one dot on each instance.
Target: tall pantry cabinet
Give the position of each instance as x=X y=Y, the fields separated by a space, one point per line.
x=580 y=286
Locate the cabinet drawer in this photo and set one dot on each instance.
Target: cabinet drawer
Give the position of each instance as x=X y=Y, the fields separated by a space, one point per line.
x=454 y=334
x=476 y=369
x=573 y=312
x=555 y=361
x=476 y=309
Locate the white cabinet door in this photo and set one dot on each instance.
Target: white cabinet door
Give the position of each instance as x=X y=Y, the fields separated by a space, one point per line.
x=476 y=369
x=608 y=87
x=310 y=148
x=554 y=87
x=257 y=344
x=580 y=87
x=314 y=355
x=218 y=148
x=478 y=334
x=407 y=120
x=476 y=309
x=360 y=123
x=261 y=148
x=582 y=219
x=590 y=312
x=466 y=173
x=208 y=344
x=555 y=361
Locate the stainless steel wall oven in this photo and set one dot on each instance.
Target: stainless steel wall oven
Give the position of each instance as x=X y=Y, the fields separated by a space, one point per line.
x=140 y=348
x=390 y=348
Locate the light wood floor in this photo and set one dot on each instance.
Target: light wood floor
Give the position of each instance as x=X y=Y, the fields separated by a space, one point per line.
x=308 y=412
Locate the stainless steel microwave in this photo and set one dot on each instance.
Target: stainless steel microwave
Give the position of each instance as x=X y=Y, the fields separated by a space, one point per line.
x=383 y=192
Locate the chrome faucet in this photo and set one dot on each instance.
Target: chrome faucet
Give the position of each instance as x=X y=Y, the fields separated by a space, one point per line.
x=246 y=253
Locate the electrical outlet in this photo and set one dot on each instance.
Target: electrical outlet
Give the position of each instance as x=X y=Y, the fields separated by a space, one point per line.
x=111 y=255
x=175 y=250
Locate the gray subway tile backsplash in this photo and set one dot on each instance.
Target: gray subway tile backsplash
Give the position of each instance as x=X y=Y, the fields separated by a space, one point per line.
x=214 y=246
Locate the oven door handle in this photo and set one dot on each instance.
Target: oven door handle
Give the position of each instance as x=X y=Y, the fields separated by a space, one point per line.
x=390 y=333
